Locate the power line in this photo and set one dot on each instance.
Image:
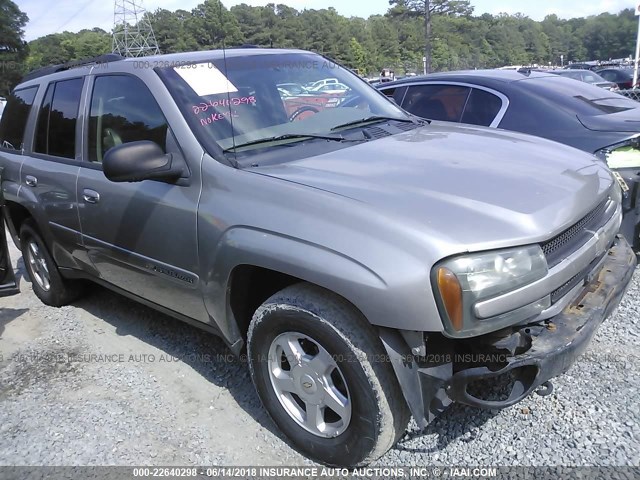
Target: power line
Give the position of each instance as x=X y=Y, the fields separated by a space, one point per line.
x=82 y=8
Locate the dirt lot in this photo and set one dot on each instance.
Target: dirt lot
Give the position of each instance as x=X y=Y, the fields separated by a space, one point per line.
x=106 y=381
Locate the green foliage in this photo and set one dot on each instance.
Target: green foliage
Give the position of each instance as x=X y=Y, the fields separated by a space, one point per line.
x=66 y=46
x=459 y=40
x=13 y=49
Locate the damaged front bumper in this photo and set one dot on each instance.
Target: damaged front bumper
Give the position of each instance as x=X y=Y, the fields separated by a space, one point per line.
x=527 y=355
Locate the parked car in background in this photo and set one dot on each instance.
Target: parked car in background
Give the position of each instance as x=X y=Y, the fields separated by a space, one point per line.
x=587 y=76
x=623 y=77
x=293 y=88
x=542 y=104
x=331 y=88
x=371 y=266
x=320 y=83
x=581 y=66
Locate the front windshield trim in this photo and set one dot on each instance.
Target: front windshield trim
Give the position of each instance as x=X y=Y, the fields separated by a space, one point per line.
x=219 y=147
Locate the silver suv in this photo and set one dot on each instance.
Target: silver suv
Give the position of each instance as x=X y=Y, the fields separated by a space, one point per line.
x=374 y=265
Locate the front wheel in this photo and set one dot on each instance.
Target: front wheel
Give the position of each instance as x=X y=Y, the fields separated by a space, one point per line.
x=321 y=373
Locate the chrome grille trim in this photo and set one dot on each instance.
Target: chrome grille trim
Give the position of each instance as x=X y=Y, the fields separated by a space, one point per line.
x=562 y=245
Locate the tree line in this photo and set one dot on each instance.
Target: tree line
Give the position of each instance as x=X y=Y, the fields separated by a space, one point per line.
x=458 y=38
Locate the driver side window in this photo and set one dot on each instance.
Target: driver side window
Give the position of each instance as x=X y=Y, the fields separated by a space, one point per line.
x=123 y=110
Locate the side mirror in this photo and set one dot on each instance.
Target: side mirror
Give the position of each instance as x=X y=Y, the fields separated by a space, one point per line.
x=137 y=161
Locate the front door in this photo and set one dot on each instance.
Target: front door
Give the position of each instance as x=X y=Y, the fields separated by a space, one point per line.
x=140 y=236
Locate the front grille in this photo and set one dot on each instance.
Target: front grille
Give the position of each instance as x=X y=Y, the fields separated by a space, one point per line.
x=562 y=245
x=561 y=291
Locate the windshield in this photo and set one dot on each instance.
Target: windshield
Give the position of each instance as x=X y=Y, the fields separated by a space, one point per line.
x=252 y=97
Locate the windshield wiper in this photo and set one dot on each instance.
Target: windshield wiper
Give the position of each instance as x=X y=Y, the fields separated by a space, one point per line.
x=372 y=118
x=289 y=136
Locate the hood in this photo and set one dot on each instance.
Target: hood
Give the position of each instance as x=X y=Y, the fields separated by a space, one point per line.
x=465 y=186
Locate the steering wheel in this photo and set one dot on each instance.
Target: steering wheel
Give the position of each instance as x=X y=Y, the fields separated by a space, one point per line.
x=299 y=113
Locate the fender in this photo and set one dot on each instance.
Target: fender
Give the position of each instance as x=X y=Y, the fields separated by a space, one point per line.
x=306 y=261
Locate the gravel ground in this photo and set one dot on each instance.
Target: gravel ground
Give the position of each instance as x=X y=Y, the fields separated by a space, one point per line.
x=144 y=389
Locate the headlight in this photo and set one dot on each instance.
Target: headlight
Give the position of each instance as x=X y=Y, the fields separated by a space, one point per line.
x=616 y=191
x=462 y=281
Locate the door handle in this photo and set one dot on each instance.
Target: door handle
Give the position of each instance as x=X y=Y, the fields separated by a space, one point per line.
x=31 y=181
x=90 y=196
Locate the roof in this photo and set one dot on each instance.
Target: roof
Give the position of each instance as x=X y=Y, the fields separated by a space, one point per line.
x=205 y=55
x=172 y=58
x=505 y=76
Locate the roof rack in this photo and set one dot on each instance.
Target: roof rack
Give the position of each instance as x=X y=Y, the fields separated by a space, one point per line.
x=41 y=72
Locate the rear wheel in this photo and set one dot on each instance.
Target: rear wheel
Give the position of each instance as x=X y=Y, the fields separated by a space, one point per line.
x=46 y=281
x=320 y=371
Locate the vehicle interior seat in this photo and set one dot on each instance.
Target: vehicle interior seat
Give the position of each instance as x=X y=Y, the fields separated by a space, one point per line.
x=431 y=109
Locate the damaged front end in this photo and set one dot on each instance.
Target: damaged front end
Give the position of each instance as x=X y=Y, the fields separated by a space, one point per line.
x=435 y=371
x=624 y=161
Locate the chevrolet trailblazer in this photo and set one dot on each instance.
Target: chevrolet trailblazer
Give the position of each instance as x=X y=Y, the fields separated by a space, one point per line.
x=374 y=265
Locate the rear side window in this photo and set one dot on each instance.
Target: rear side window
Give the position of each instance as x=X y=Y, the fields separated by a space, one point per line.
x=610 y=76
x=482 y=107
x=123 y=110
x=56 y=127
x=14 y=118
x=396 y=93
x=436 y=102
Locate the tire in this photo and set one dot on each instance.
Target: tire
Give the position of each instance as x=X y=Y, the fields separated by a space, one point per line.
x=46 y=281
x=371 y=414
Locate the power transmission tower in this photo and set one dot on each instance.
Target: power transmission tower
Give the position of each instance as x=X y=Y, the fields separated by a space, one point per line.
x=132 y=32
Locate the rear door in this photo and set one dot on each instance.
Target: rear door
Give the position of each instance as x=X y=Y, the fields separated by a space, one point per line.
x=50 y=170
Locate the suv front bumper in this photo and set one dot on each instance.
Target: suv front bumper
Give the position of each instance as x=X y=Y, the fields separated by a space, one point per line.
x=529 y=354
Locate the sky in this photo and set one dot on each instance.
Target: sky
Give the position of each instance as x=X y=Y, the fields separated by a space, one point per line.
x=74 y=15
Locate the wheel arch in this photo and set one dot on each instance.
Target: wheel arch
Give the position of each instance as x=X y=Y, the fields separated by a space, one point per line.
x=251 y=265
x=14 y=216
